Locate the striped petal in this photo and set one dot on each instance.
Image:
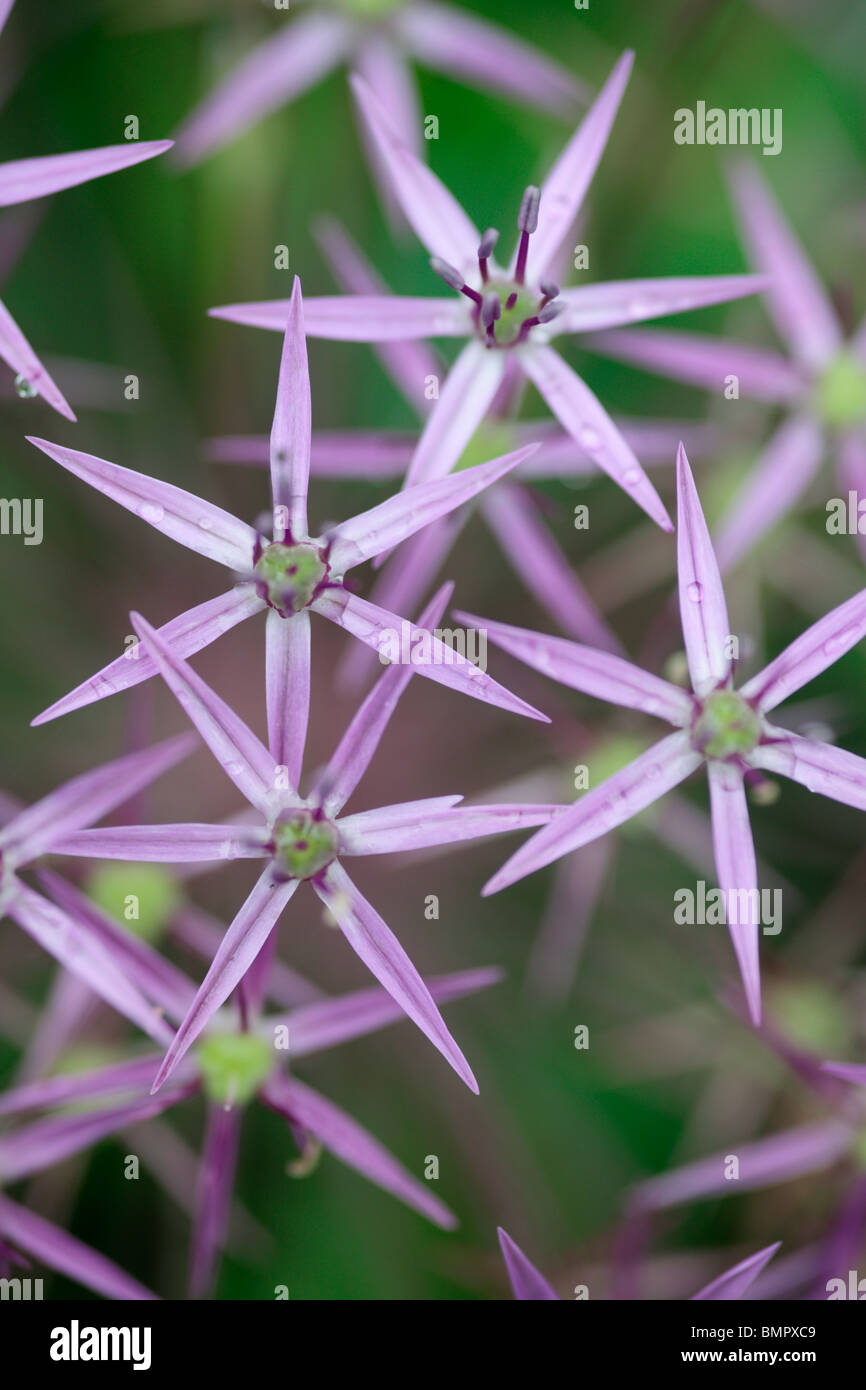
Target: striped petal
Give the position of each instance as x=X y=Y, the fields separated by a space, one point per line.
x=737 y=874
x=24 y=179
x=528 y=1283
x=809 y=654
x=703 y=610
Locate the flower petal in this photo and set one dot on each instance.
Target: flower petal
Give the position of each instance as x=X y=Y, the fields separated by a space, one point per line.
x=703 y=610
x=291 y=429
x=579 y=412
x=24 y=179
x=55 y=1248
x=701 y=361
x=464 y=400
x=800 y=307
x=386 y=831
x=345 y=1138
x=386 y=318
x=213 y=1198
x=611 y=303
x=288 y=689
x=87 y=799
x=377 y=946
x=368 y=454
x=774 y=485
x=19 y=355
x=616 y=800
x=600 y=674
x=534 y=554
x=809 y=654
x=368 y=534
x=238 y=949
x=435 y=215
x=735 y=1281
x=565 y=186
x=381 y=630
x=181 y=843
x=271 y=75
x=115 y=1079
x=328 y=1022
x=239 y=753
x=737 y=874
x=526 y=1281
x=187 y=634
x=357 y=747
x=384 y=66
x=180 y=515
x=819 y=767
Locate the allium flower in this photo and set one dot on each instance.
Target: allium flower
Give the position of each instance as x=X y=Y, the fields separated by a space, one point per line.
x=37 y=830
x=715 y=724
x=22 y=180
x=509 y=510
x=231 y=1067
x=509 y=315
x=377 y=38
x=529 y=1284
x=293 y=573
x=303 y=839
x=821 y=385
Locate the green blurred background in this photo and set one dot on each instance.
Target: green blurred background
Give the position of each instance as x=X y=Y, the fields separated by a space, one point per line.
x=118 y=275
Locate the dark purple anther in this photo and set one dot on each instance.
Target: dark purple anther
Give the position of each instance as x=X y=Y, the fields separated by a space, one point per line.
x=527 y=221
x=485 y=250
x=511 y=300
x=451 y=275
x=549 y=289
x=548 y=312
x=491 y=310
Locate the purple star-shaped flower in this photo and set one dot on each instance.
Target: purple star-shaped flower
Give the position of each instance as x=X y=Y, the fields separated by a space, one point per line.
x=727 y=729
x=302 y=838
x=820 y=386
x=509 y=315
x=293 y=573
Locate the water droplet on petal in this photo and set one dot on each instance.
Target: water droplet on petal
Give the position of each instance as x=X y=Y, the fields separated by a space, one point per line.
x=152 y=512
x=24 y=387
x=589 y=438
x=695 y=593
x=631 y=477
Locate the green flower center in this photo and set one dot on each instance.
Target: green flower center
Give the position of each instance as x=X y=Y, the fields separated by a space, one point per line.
x=811 y=1017
x=287 y=576
x=233 y=1066
x=303 y=845
x=141 y=897
x=727 y=726
x=506 y=329
x=840 y=393
x=368 y=9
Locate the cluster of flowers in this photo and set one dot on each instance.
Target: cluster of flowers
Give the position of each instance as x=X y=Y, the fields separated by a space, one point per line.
x=231 y=1036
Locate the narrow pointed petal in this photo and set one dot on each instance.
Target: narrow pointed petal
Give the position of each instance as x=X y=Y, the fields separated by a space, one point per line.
x=315 y=1027
x=183 y=517
x=357 y=747
x=197 y=931
x=762 y=1163
x=734 y=1282
x=393 y=521
x=528 y=1283
x=612 y=303
x=600 y=674
x=346 y=1139
x=273 y=74
x=563 y=190
x=409 y=364
x=88 y=798
x=383 y=831
x=377 y=946
x=532 y=551
x=5 y=11
x=461 y=45
x=368 y=454
x=23 y=179
x=288 y=689
x=238 y=949
x=187 y=634
x=383 y=64
x=653 y=440
x=699 y=360
x=213 y=1198
x=703 y=610
x=158 y=978
x=19 y=355
x=42 y=1144
x=819 y=767
x=234 y=745
x=847 y=1071
x=380 y=630
x=464 y=400
x=616 y=800
x=579 y=412
x=80 y=951
x=435 y=215
x=58 y=1250
x=809 y=654
x=774 y=486
x=851 y=470
x=179 y=843
x=64 y=1090
x=291 y=429
x=387 y=318
x=737 y=874
x=800 y=307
